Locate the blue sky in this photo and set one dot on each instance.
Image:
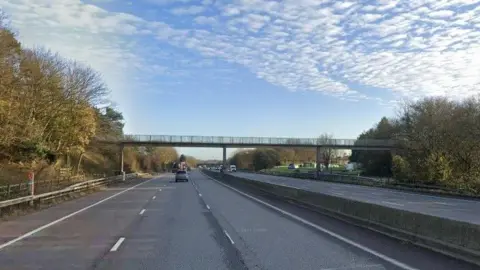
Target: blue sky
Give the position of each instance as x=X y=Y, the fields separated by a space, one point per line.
x=293 y=68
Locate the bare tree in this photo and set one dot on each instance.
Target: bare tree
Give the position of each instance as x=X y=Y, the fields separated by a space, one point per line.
x=84 y=84
x=327 y=153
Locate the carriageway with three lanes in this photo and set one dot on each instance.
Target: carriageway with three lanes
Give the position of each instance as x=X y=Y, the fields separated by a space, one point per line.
x=201 y=224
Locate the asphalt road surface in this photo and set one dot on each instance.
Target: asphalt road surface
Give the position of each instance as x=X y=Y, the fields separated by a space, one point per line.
x=202 y=224
x=452 y=208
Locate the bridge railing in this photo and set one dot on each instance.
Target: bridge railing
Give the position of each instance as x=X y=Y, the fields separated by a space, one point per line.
x=256 y=140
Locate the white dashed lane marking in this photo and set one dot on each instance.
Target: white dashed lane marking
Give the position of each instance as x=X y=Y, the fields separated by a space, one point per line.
x=228 y=236
x=117 y=244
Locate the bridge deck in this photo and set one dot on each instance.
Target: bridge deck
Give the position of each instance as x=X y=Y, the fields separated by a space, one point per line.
x=247 y=142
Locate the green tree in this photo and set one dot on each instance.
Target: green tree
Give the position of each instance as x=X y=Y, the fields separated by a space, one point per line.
x=439 y=143
x=243 y=159
x=265 y=159
x=376 y=163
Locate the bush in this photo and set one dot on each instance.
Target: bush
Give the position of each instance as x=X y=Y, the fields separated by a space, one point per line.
x=400 y=169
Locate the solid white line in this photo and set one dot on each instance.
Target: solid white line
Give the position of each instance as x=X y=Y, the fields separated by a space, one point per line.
x=117 y=244
x=30 y=233
x=392 y=203
x=315 y=226
x=200 y=194
x=228 y=236
x=208 y=207
x=153 y=198
x=143 y=211
x=443 y=203
x=150 y=188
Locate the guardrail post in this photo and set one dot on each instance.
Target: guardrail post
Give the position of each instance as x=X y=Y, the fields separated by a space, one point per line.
x=31 y=176
x=8 y=190
x=121 y=161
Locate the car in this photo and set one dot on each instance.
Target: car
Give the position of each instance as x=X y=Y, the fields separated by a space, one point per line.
x=233 y=168
x=181 y=176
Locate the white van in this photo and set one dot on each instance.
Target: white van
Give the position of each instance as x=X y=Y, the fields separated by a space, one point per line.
x=233 y=168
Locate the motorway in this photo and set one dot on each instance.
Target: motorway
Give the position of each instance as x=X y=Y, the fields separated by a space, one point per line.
x=452 y=208
x=202 y=224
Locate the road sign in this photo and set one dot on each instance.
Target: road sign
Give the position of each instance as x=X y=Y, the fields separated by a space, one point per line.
x=31 y=176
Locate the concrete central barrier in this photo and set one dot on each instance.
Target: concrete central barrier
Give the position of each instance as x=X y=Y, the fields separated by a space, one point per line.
x=457 y=239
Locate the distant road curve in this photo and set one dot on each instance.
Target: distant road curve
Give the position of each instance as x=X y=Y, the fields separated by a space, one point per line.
x=452 y=208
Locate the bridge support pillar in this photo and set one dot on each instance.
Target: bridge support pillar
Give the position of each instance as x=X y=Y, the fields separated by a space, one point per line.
x=224 y=160
x=121 y=162
x=318 y=164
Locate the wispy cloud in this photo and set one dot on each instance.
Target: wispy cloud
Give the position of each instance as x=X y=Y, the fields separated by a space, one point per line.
x=407 y=47
x=205 y=20
x=190 y=10
x=165 y=2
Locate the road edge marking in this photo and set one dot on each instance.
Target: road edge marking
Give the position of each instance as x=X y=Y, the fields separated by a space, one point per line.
x=41 y=228
x=319 y=228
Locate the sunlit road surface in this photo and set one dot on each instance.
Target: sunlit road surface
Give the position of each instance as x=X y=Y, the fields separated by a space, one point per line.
x=452 y=208
x=202 y=224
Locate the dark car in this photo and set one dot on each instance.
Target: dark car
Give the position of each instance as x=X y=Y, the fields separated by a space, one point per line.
x=181 y=176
